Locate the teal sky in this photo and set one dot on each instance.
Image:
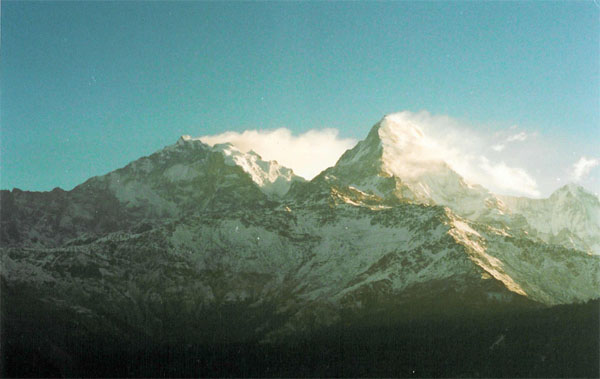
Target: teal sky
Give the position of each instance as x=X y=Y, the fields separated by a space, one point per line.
x=87 y=87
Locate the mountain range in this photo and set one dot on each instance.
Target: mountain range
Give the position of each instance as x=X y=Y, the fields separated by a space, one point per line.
x=209 y=245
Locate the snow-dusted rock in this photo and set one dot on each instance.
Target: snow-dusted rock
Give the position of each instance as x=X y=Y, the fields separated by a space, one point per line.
x=570 y=217
x=192 y=230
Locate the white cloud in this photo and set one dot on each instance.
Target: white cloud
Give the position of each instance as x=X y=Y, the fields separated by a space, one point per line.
x=508 y=179
x=582 y=167
x=527 y=167
x=307 y=154
x=509 y=136
x=463 y=148
x=522 y=136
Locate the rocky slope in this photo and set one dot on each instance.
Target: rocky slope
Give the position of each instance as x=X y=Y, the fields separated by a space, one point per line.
x=569 y=217
x=394 y=162
x=180 y=180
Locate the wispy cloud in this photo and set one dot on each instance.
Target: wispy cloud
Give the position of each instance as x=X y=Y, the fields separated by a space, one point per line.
x=582 y=167
x=522 y=136
x=307 y=154
x=508 y=137
x=528 y=164
x=464 y=150
x=508 y=179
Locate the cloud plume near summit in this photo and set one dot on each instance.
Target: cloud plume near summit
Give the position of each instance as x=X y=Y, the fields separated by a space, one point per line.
x=508 y=161
x=307 y=154
x=466 y=152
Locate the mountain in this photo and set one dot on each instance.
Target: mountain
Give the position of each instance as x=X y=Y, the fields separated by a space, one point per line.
x=395 y=161
x=569 y=217
x=180 y=180
x=208 y=246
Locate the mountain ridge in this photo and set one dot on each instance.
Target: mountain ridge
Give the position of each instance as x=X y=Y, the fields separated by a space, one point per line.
x=199 y=244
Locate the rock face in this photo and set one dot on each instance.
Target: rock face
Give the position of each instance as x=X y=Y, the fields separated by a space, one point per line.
x=569 y=217
x=395 y=161
x=181 y=180
x=211 y=244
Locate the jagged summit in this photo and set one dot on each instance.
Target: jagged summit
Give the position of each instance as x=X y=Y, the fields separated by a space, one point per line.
x=400 y=148
x=572 y=189
x=271 y=177
x=396 y=161
x=396 y=136
x=191 y=174
x=570 y=216
x=400 y=129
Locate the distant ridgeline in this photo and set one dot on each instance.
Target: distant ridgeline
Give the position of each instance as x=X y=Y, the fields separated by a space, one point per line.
x=207 y=261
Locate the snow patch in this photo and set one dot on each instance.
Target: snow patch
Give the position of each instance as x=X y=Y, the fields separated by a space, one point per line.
x=272 y=178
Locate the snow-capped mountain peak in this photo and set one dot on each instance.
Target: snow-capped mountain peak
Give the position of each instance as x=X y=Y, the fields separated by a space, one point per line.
x=393 y=141
x=270 y=176
x=408 y=153
x=397 y=159
x=572 y=190
x=396 y=130
x=570 y=216
x=185 y=137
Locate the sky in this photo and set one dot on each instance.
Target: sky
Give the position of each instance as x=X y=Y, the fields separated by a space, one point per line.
x=87 y=87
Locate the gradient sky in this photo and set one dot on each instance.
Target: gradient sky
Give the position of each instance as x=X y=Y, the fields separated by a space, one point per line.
x=87 y=87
